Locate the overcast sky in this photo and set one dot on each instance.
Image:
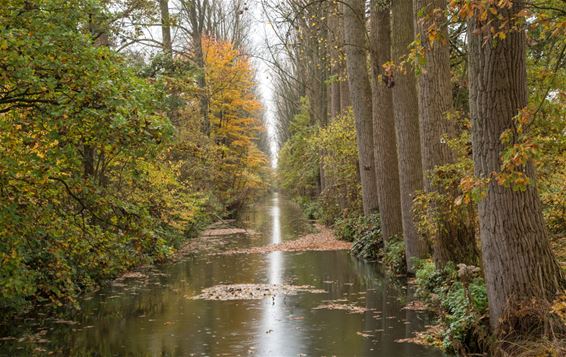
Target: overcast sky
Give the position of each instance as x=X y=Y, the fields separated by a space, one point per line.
x=261 y=31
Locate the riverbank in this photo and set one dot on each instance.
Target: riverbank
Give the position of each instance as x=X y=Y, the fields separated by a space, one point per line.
x=279 y=302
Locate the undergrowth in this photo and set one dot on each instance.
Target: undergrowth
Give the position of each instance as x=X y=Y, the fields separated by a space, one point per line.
x=458 y=296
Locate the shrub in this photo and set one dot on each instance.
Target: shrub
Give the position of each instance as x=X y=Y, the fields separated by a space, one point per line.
x=459 y=296
x=369 y=244
x=394 y=255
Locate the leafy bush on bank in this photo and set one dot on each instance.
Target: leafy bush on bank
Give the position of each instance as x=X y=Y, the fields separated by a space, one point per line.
x=459 y=297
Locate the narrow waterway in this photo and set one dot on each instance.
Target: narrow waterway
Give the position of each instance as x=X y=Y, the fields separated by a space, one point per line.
x=156 y=317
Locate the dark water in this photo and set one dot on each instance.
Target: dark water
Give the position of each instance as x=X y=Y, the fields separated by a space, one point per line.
x=156 y=318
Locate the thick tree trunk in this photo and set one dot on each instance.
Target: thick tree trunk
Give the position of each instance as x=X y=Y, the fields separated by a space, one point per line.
x=355 y=39
x=406 y=110
x=455 y=238
x=518 y=262
x=385 y=145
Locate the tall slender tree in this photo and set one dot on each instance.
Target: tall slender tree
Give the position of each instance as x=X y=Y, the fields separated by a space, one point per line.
x=406 y=110
x=454 y=238
x=519 y=266
x=356 y=61
x=385 y=149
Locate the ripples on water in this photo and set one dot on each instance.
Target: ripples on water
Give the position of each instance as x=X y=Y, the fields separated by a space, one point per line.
x=155 y=318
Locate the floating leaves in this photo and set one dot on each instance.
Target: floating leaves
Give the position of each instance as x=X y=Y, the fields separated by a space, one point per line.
x=252 y=291
x=322 y=241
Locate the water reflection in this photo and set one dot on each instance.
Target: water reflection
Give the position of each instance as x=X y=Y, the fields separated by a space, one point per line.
x=156 y=317
x=274 y=336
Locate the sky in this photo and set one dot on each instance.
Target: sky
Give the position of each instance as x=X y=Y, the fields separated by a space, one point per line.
x=260 y=32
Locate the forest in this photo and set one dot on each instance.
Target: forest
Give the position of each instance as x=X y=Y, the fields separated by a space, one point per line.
x=411 y=153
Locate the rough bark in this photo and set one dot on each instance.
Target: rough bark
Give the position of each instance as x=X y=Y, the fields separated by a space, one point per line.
x=455 y=238
x=355 y=47
x=385 y=145
x=519 y=265
x=406 y=111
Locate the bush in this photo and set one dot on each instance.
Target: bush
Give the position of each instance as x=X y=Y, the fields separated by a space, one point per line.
x=394 y=255
x=349 y=228
x=311 y=209
x=369 y=244
x=459 y=296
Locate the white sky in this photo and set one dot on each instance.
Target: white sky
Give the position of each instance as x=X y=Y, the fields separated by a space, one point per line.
x=262 y=30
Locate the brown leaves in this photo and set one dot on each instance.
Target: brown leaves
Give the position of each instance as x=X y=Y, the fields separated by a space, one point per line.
x=350 y=308
x=322 y=241
x=252 y=291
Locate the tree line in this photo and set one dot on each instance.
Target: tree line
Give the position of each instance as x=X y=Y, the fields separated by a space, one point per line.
x=455 y=106
x=126 y=126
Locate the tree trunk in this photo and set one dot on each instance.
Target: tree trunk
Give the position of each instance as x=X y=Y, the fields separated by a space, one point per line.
x=343 y=74
x=201 y=80
x=519 y=265
x=167 y=47
x=455 y=238
x=355 y=38
x=406 y=110
x=166 y=28
x=333 y=41
x=344 y=91
x=385 y=145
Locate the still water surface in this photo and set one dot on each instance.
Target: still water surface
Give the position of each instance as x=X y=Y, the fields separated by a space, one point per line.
x=156 y=317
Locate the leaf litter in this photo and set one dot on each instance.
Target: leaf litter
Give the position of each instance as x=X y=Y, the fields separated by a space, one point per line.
x=252 y=291
x=323 y=240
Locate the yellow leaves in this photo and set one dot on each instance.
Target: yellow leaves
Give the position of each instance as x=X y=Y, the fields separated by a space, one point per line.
x=236 y=163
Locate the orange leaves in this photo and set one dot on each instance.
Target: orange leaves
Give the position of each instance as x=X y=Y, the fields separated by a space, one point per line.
x=230 y=86
x=235 y=117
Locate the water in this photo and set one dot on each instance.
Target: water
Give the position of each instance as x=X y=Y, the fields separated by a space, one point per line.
x=156 y=317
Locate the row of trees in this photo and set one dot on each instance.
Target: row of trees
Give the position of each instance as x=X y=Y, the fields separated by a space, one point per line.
x=414 y=71
x=114 y=146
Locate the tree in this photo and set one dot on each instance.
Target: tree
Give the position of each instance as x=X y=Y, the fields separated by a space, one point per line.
x=519 y=266
x=235 y=122
x=385 y=145
x=454 y=235
x=405 y=106
x=356 y=58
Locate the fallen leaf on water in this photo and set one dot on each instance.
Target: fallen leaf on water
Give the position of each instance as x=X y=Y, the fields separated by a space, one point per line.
x=252 y=291
x=350 y=308
x=322 y=241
